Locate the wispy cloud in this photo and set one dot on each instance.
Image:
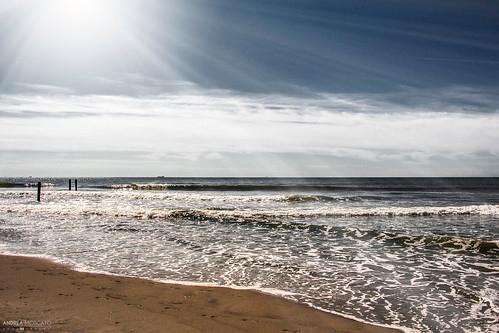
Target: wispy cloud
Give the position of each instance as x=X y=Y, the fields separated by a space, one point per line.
x=189 y=97
x=463 y=60
x=43 y=88
x=42 y=114
x=200 y=125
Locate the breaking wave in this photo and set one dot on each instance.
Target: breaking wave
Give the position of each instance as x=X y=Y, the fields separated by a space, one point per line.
x=251 y=214
x=220 y=187
x=239 y=187
x=297 y=198
x=19 y=185
x=293 y=220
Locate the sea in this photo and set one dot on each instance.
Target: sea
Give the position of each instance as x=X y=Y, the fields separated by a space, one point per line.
x=420 y=254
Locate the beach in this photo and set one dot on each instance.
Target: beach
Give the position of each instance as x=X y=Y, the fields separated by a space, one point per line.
x=392 y=252
x=51 y=297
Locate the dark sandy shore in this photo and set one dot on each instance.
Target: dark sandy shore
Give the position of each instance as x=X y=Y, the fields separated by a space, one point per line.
x=42 y=296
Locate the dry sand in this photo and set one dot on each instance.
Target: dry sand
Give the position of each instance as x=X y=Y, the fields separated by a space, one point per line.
x=51 y=297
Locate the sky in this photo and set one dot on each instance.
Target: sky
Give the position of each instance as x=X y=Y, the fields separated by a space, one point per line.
x=249 y=88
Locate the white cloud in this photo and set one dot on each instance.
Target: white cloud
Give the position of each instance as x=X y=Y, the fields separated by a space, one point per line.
x=211 y=125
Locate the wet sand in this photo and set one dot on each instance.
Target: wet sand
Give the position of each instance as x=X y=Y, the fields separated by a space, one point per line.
x=53 y=298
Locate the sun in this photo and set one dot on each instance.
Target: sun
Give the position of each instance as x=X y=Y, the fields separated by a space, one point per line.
x=76 y=30
x=77 y=8
x=75 y=36
x=78 y=15
x=91 y=40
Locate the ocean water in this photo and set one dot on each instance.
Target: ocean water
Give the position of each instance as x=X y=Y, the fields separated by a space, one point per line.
x=418 y=253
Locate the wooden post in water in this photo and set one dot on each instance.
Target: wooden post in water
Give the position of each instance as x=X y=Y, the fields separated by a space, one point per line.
x=38 y=191
x=70 y=184
x=76 y=184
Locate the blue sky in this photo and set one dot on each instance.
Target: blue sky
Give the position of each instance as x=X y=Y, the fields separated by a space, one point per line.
x=249 y=88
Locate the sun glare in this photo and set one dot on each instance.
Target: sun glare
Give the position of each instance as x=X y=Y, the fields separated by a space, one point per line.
x=76 y=31
x=69 y=39
x=78 y=17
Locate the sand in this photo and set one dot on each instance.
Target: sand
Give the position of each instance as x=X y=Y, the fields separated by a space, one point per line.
x=42 y=296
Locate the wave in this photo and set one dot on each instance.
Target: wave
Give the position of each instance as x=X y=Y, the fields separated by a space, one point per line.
x=19 y=185
x=297 y=198
x=184 y=197
x=11 y=185
x=290 y=219
x=241 y=214
x=217 y=187
x=36 y=184
x=272 y=187
x=452 y=242
x=155 y=195
x=251 y=214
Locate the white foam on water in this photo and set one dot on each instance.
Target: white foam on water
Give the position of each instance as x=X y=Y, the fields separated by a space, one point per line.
x=151 y=234
x=401 y=328
x=93 y=203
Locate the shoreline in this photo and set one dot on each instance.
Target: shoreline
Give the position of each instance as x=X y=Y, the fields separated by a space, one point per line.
x=36 y=291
